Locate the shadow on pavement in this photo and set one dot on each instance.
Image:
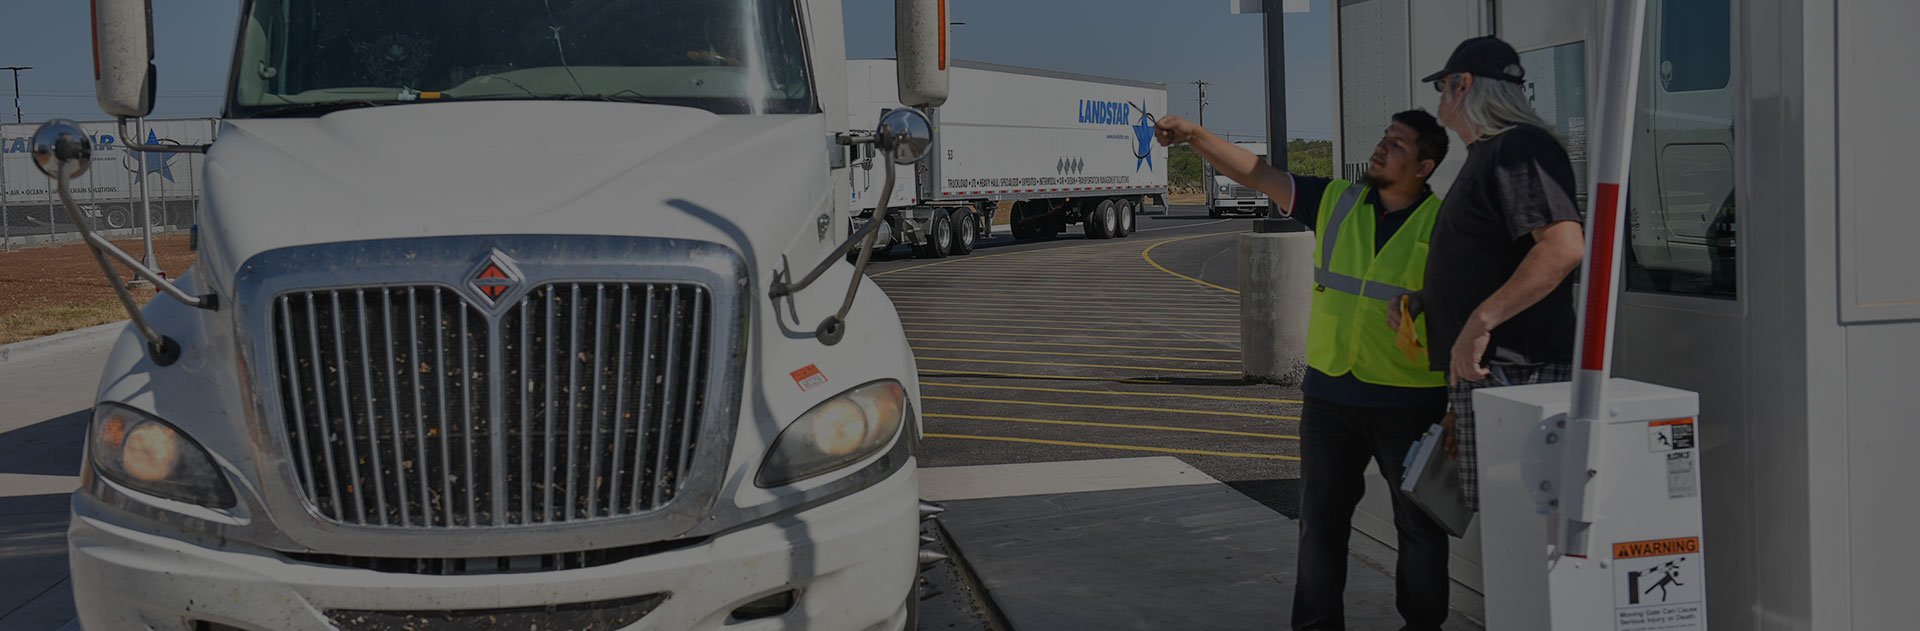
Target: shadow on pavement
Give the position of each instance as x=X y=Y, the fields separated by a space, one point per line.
x=50 y=447
x=1281 y=495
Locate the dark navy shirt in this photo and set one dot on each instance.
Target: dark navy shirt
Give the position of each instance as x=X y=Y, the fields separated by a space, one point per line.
x=1348 y=389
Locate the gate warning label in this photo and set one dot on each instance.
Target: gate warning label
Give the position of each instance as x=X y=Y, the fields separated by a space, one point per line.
x=1670 y=435
x=1657 y=585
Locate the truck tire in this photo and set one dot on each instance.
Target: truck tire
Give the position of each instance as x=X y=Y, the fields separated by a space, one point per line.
x=1099 y=222
x=1213 y=212
x=1123 y=224
x=965 y=232
x=939 y=237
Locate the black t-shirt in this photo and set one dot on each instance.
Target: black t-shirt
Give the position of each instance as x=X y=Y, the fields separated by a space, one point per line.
x=1512 y=183
x=1347 y=389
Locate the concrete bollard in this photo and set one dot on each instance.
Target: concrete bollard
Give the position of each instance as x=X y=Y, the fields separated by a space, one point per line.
x=1276 y=296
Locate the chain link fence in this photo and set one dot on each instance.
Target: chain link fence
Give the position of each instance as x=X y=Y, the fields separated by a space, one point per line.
x=108 y=194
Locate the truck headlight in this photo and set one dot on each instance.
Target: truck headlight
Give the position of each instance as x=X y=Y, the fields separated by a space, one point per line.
x=1223 y=190
x=146 y=454
x=837 y=433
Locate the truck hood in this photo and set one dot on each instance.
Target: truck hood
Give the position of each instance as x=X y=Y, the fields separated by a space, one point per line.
x=516 y=167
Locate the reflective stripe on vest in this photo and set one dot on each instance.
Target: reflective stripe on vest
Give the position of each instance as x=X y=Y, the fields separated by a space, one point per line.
x=1356 y=286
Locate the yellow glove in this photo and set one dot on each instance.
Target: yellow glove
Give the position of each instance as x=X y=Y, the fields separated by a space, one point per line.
x=1407 y=340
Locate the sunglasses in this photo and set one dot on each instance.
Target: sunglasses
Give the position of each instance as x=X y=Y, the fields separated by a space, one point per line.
x=1443 y=83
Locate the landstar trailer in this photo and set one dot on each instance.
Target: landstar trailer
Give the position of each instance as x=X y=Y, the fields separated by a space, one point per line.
x=1056 y=148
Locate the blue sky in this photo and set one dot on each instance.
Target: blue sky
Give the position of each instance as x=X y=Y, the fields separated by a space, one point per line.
x=1173 y=42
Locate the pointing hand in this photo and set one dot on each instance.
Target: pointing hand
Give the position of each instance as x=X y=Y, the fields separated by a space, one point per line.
x=1172 y=130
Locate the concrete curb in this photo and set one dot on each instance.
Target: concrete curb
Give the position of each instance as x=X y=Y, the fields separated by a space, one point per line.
x=38 y=345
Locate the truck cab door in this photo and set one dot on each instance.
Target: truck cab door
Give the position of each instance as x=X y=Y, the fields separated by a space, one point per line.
x=1690 y=117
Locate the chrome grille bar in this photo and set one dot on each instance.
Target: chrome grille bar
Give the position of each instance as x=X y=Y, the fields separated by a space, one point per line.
x=642 y=416
x=393 y=411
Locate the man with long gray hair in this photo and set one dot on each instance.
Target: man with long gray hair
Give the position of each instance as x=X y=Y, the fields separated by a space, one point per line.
x=1498 y=294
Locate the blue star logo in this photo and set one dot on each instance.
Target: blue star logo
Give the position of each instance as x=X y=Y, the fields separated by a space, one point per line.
x=1143 y=134
x=152 y=162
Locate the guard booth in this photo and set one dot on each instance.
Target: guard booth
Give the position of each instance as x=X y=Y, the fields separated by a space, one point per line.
x=1770 y=265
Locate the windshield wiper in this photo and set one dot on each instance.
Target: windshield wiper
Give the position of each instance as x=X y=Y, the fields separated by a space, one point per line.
x=318 y=108
x=612 y=98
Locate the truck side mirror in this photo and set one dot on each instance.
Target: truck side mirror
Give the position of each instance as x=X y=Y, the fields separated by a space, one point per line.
x=906 y=134
x=123 y=73
x=920 y=44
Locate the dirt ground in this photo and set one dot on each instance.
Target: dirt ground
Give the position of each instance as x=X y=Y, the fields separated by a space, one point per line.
x=52 y=289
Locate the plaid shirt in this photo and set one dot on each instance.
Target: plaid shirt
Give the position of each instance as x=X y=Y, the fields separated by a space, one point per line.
x=1460 y=403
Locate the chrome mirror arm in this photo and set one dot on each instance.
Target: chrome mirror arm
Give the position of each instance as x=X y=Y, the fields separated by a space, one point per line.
x=162 y=349
x=136 y=144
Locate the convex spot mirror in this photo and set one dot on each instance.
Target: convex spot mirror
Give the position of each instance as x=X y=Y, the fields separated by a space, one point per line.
x=60 y=144
x=906 y=133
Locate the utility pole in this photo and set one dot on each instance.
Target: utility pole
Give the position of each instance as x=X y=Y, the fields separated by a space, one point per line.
x=16 y=90
x=1202 y=84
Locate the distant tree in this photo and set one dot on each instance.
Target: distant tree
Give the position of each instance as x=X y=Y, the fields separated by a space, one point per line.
x=1183 y=167
x=1304 y=157
x=1310 y=157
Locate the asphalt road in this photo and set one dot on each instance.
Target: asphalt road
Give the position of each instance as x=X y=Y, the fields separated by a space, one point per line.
x=1078 y=349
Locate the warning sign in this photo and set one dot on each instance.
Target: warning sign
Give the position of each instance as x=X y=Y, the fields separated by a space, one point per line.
x=1670 y=435
x=1657 y=585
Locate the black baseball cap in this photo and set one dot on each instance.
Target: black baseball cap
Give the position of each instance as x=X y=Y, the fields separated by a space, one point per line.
x=1485 y=56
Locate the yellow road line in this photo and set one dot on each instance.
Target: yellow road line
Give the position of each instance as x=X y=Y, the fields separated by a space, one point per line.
x=970 y=259
x=1213 y=397
x=1148 y=255
x=1109 y=355
x=1144 y=348
x=1001 y=296
x=985 y=373
x=1164 y=450
x=1090 y=310
x=1125 y=408
x=1231 y=340
x=1090 y=316
x=1036 y=251
x=1162 y=428
x=1019 y=363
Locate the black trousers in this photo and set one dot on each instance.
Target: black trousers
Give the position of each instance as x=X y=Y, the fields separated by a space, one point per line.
x=1336 y=443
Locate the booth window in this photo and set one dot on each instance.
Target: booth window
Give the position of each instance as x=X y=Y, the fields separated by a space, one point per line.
x=1682 y=233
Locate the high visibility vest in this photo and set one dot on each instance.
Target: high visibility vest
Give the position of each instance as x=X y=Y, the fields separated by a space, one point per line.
x=1354 y=287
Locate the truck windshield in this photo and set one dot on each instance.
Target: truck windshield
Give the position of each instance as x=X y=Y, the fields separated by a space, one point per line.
x=309 y=57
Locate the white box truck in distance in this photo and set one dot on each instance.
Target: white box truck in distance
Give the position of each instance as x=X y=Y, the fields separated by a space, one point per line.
x=497 y=323
x=1056 y=147
x=1225 y=196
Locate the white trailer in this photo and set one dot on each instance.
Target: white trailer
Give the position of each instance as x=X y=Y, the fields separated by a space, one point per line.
x=1225 y=196
x=1061 y=148
x=109 y=192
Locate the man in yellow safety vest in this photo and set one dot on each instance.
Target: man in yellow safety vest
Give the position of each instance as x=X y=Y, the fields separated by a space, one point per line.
x=1368 y=396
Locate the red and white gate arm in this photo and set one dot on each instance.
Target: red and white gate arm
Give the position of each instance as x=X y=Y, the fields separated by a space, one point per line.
x=1599 y=276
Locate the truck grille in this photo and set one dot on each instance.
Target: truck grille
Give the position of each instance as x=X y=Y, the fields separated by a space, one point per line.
x=411 y=407
x=1241 y=192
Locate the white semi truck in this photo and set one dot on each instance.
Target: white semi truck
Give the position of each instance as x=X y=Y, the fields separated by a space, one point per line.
x=511 y=315
x=1227 y=197
x=1056 y=147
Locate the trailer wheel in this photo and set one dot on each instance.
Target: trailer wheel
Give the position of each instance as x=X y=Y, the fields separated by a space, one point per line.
x=1099 y=221
x=116 y=218
x=1123 y=223
x=939 y=237
x=965 y=232
x=1020 y=221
